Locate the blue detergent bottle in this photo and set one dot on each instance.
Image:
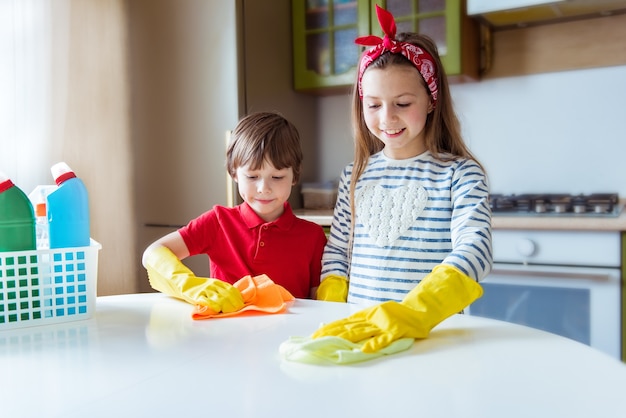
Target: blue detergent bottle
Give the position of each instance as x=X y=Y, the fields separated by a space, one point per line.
x=68 y=210
x=17 y=218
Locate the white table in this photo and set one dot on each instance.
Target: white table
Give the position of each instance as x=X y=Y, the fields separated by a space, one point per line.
x=143 y=356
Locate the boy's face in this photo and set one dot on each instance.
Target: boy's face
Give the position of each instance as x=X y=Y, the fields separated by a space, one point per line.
x=265 y=190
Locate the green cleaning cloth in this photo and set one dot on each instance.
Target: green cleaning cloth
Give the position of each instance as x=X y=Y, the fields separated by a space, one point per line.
x=336 y=350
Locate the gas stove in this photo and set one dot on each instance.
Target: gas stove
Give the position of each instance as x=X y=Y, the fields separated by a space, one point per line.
x=553 y=204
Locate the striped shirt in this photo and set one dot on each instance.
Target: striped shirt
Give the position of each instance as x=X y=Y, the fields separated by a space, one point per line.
x=411 y=215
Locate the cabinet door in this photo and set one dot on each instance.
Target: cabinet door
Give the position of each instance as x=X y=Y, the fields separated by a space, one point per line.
x=325 y=54
x=446 y=23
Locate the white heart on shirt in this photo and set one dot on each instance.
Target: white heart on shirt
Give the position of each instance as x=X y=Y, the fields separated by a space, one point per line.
x=387 y=213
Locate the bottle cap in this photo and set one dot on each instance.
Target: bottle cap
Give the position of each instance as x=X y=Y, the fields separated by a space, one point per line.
x=40 y=209
x=5 y=182
x=61 y=172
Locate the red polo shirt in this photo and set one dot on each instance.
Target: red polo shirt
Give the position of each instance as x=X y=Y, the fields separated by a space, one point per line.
x=239 y=243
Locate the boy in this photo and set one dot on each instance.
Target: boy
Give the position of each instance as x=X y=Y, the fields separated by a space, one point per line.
x=259 y=236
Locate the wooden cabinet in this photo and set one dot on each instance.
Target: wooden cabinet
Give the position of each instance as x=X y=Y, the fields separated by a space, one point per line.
x=325 y=56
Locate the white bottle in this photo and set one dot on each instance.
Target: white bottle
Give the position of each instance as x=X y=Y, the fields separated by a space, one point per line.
x=38 y=198
x=41 y=226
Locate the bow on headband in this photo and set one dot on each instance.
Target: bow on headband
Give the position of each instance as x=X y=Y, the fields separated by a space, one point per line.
x=421 y=59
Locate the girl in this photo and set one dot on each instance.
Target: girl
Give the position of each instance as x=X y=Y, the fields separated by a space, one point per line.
x=411 y=232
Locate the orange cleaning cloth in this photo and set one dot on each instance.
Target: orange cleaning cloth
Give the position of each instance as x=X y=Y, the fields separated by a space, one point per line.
x=260 y=294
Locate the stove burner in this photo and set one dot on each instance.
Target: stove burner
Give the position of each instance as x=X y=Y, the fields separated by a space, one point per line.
x=597 y=204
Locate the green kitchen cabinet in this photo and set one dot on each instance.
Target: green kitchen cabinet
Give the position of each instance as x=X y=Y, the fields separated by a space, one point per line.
x=325 y=56
x=324 y=53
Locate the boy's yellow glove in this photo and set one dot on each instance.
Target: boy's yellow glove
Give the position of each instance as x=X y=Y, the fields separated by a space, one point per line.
x=169 y=275
x=333 y=289
x=442 y=293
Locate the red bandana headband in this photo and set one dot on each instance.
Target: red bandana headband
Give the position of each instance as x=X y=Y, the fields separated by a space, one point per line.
x=421 y=59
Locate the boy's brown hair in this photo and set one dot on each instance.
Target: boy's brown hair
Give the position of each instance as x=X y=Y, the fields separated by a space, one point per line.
x=265 y=137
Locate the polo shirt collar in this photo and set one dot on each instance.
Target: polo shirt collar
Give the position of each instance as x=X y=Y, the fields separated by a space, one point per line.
x=253 y=220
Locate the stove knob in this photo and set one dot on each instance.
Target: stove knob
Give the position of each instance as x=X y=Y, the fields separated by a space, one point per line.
x=526 y=247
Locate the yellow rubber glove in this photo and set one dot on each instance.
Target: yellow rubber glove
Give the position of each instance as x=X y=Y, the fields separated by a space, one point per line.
x=333 y=289
x=169 y=275
x=442 y=293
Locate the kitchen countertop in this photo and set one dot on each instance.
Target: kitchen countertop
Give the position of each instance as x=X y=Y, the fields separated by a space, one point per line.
x=498 y=221
x=323 y=217
x=143 y=355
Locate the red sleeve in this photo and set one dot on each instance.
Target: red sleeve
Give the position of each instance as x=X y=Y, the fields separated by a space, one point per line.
x=195 y=232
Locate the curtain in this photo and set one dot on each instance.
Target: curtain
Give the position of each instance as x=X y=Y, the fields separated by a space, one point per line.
x=25 y=91
x=64 y=96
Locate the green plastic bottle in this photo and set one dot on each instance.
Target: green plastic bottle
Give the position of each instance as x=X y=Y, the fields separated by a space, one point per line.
x=17 y=218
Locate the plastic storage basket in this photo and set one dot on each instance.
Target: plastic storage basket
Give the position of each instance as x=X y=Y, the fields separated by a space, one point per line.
x=42 y=287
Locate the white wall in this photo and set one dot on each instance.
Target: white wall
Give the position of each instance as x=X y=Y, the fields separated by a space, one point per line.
x=559 y=132
x=335 y=131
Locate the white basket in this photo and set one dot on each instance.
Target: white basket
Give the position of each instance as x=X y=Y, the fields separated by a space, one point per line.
x=43 y=287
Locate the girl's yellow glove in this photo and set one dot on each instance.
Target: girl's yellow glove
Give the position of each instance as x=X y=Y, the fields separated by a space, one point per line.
x=169 y=275
x=333 y=289
x=442 y=293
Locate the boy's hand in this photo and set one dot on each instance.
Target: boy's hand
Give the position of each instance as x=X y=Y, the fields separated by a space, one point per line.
x=169 y=275
x=218 y=295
